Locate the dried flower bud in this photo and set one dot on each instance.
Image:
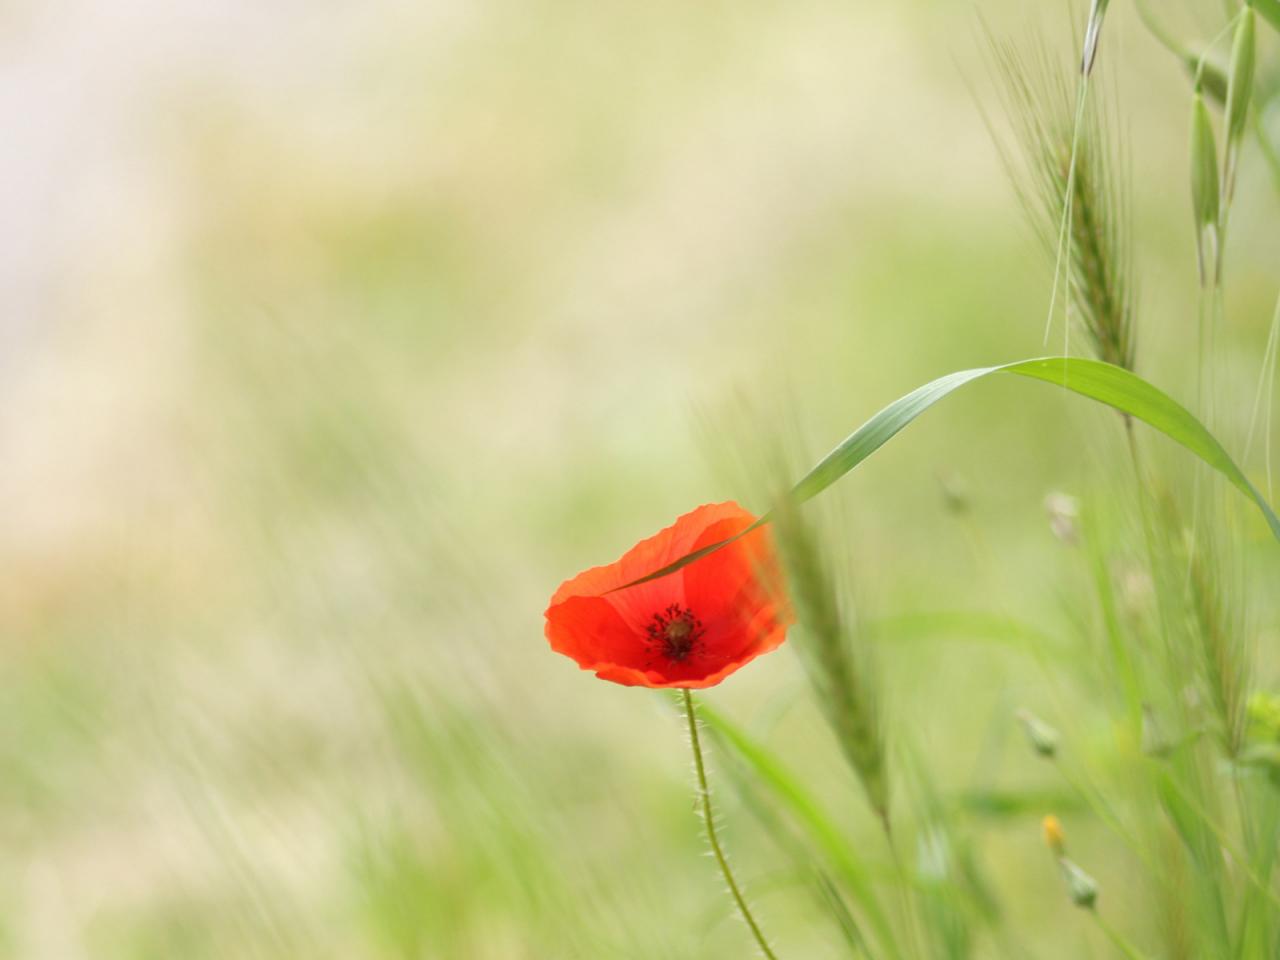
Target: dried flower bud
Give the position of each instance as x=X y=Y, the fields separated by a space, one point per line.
x=1054 y=838
x=1137 y=590
x=1082 y=887
x=1043 y=738
x=1064 y=512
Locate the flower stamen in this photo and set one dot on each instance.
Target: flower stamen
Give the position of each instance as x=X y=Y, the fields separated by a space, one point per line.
x=675 y=632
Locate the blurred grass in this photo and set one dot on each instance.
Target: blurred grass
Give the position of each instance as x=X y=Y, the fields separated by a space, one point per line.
x=398 y=321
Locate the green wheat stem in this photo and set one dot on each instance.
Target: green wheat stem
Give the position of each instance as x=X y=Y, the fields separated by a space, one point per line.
x=704 y=800
x=1266 y=385
x=1091 y=795
x=906 y=906
x=1217 y=38
x=1210 y=316
x=1148 y=539
x=1225 y=842
x=1059 y=266
x=1167 y=40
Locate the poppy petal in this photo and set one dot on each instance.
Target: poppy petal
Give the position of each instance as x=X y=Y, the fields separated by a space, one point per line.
x=689 y=629
x=743 y=571
x=651 y=554
x=591 y=631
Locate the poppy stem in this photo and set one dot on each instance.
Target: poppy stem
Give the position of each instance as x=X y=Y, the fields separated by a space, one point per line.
x=704 y=798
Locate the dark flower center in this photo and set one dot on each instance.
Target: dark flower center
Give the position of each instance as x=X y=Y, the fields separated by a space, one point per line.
x=674 y=632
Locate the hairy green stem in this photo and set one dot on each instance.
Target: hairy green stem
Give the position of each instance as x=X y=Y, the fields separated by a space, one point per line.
x=704 y=799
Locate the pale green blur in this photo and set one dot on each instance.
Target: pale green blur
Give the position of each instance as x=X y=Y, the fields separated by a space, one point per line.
x=333 y=339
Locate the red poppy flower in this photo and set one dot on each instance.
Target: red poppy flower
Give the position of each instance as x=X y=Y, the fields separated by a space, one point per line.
x=691 y=628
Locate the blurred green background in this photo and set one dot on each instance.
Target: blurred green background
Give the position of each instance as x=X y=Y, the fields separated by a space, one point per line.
x=334 y=337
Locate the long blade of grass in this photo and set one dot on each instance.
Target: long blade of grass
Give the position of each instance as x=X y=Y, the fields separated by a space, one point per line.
x=1116 y=387
x=795 y=798
x=1104 y=382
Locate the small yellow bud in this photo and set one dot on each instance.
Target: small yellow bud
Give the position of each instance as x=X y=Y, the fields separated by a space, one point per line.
x=1054 y=838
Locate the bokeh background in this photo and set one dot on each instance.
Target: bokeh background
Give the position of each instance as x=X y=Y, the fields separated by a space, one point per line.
x=334 y=336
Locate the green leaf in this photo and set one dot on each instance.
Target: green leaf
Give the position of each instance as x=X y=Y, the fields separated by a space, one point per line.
x=1270 y=10
x=1104 y=382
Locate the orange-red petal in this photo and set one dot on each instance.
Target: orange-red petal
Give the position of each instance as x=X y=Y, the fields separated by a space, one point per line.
x=653 y=553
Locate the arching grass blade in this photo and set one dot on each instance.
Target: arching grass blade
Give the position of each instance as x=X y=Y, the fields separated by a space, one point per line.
x=1104 y=382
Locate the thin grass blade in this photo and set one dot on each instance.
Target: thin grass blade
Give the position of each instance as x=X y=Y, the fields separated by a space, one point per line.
x=1103 y=382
